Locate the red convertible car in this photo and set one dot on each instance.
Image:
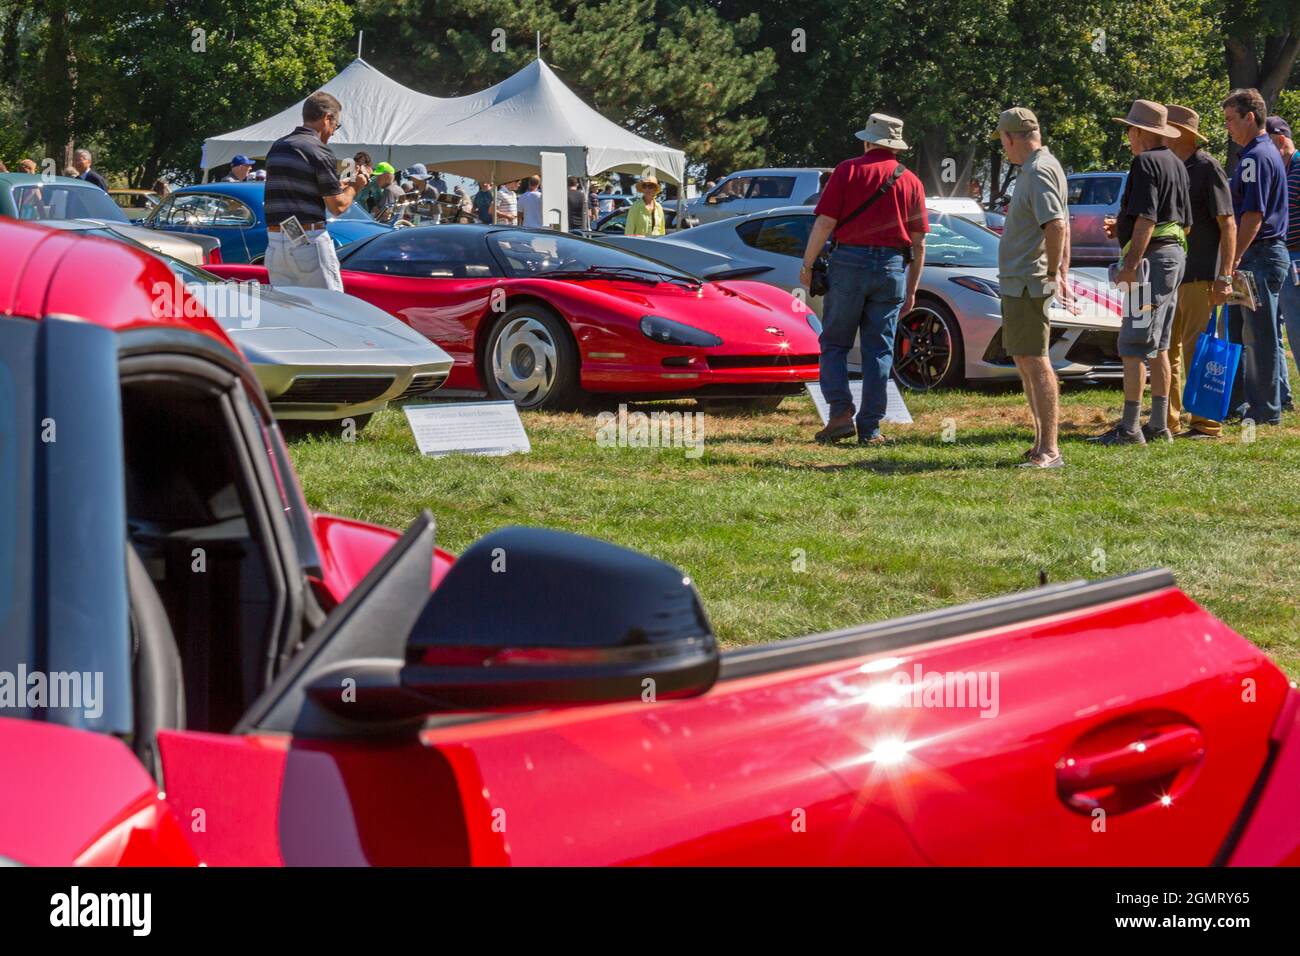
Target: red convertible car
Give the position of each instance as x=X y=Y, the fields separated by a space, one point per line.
x=542 y=318
x=196 y=668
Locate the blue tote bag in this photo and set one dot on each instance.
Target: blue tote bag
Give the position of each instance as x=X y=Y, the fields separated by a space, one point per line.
x=1210 y=373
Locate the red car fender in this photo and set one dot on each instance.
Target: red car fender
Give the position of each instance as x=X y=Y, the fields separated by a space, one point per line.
x=85 y=800
x=1272 y=835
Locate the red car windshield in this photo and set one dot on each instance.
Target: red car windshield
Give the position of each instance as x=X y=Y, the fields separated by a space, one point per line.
x=529 y=254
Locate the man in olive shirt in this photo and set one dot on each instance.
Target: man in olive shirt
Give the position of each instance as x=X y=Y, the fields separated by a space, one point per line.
x=1033 y=260
x=1208 y=278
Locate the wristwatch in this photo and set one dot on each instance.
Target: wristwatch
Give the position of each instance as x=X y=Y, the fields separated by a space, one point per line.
x=1227 y=279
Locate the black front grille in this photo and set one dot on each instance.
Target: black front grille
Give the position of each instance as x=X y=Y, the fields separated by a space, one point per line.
x=1095 y=347
x=335 y=389
x=761 y=361
x=422 y=383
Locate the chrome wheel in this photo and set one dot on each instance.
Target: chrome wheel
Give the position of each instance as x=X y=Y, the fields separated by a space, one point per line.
x=923 y=349
x=523 y=360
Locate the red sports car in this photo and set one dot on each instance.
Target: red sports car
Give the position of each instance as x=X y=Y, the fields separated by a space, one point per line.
x=540 y=317
x=313 y=690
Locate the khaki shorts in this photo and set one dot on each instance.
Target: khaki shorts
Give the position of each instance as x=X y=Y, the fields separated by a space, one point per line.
x=1025 y=326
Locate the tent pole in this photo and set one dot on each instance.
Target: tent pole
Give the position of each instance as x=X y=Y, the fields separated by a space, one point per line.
x=496 y=213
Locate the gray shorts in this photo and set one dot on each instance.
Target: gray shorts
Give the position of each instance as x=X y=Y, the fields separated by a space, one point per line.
x=1146 y=331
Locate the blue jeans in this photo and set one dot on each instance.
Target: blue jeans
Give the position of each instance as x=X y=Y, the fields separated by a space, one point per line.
x=867 y=288
x=1257 y=393
x=1289 y=304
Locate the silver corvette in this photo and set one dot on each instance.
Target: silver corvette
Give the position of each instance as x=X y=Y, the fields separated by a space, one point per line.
x=320 y=356
x=953 y=336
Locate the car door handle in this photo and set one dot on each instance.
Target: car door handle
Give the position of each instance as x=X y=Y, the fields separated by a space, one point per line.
x=1131 y=773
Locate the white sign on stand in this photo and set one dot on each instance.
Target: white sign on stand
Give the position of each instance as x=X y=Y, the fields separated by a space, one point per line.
x=896 y=412
x=470 y=428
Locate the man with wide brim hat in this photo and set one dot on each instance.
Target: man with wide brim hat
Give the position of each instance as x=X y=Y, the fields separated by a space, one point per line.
x=1151 y=228
x=645 y=217
x=1207 y=280
x=874 y=210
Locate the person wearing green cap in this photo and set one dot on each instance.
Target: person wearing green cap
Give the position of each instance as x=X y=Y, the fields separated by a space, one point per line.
x=390 y=194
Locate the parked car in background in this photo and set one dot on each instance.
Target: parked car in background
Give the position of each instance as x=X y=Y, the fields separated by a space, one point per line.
x=233 y=214
x=755 y=190
x=135 y=203
x=952 y=337
x=479 y=693
x=545 y=319
x=320 y=356
x=86 y=206
x=613 y=223
x=1093 y=197
x=962 y=206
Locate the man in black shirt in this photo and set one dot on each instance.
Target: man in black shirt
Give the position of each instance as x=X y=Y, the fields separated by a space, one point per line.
x=1210 y=248
x=1155 y=212
x=577 y=205
x=302 y=181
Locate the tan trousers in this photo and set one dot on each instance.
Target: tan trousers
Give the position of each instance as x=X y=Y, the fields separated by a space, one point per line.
x=1190 y=318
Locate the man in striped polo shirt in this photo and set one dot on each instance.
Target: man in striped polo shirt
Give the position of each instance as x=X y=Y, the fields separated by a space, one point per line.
x=1289 y=302
x=302 y=181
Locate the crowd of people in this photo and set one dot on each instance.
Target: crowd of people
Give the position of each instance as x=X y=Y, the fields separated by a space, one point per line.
x=1189 y=236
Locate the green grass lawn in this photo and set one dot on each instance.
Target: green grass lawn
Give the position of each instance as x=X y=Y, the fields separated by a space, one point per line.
x=785 y=537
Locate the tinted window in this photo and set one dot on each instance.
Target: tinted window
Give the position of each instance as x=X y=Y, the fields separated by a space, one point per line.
x=59 y=200
x=783 y=235
x=431 y=252
x=614 y=224
x=537 y=253
x=953 y=241
x=772 y=187
x=1095 y=190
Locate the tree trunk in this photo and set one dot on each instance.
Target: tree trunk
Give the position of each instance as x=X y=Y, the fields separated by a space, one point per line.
x=1247 y=71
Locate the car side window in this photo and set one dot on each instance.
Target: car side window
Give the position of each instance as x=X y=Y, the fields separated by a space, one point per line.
x=730 y=189
x=772 y=187
x=1105 y=190
x=781 y=235
x=424 y=253
x=229 y=211
x=187 y=211
x=1077 y=192
x=615 y=224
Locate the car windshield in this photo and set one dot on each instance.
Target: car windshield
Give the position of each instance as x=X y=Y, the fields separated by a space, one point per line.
x=957 y=242
x=527 y=254
x=355 y=212
x=64 y=200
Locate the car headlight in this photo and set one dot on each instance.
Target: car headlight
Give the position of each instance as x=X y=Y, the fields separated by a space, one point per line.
x=814 y=323
x=668 y=332
x=982 y=286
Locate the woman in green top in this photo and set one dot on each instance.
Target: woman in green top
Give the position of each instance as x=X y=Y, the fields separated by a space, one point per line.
x=645 y=217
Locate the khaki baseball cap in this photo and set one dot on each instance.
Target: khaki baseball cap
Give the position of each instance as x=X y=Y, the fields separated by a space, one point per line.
x=1016 y=120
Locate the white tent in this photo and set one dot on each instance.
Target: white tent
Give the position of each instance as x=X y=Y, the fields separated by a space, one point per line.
x=496 y=134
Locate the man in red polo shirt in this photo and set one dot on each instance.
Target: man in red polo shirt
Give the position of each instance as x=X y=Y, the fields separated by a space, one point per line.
x=874 y=269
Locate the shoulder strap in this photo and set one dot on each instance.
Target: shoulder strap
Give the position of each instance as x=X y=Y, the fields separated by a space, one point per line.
x=884 y=188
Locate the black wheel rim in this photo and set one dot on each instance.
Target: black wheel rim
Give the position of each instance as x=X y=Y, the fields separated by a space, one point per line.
x=922 y=349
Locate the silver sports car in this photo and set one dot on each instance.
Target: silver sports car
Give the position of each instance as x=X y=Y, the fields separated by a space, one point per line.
x=954 y=335
x=320 y=356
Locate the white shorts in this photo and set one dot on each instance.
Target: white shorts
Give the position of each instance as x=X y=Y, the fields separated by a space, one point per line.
x=312 y=263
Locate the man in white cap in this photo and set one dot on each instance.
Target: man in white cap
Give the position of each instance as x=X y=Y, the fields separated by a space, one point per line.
x=1033 y=266
x=874 y=209
x=1155 y=213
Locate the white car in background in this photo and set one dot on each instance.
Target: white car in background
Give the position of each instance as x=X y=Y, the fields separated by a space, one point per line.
x=952 y=337
x=754 y=190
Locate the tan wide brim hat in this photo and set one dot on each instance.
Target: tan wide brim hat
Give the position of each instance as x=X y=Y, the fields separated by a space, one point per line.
x=1186 y=119
x=1150 y=116
x=882 y=130
x=648 y=181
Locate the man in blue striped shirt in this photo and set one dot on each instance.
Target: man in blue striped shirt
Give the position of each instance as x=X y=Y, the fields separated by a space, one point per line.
x=1280 y=133
x=302 y=181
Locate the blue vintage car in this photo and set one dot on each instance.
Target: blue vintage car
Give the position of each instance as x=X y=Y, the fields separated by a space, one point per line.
x=233 y=214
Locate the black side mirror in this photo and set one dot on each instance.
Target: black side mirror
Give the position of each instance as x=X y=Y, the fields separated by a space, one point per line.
x=529 y=617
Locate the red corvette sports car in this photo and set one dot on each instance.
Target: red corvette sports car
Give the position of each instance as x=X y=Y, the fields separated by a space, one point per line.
x=540 y=317
x=196 y=668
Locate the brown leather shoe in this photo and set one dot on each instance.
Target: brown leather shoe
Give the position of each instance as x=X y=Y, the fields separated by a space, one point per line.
x=840 y=426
